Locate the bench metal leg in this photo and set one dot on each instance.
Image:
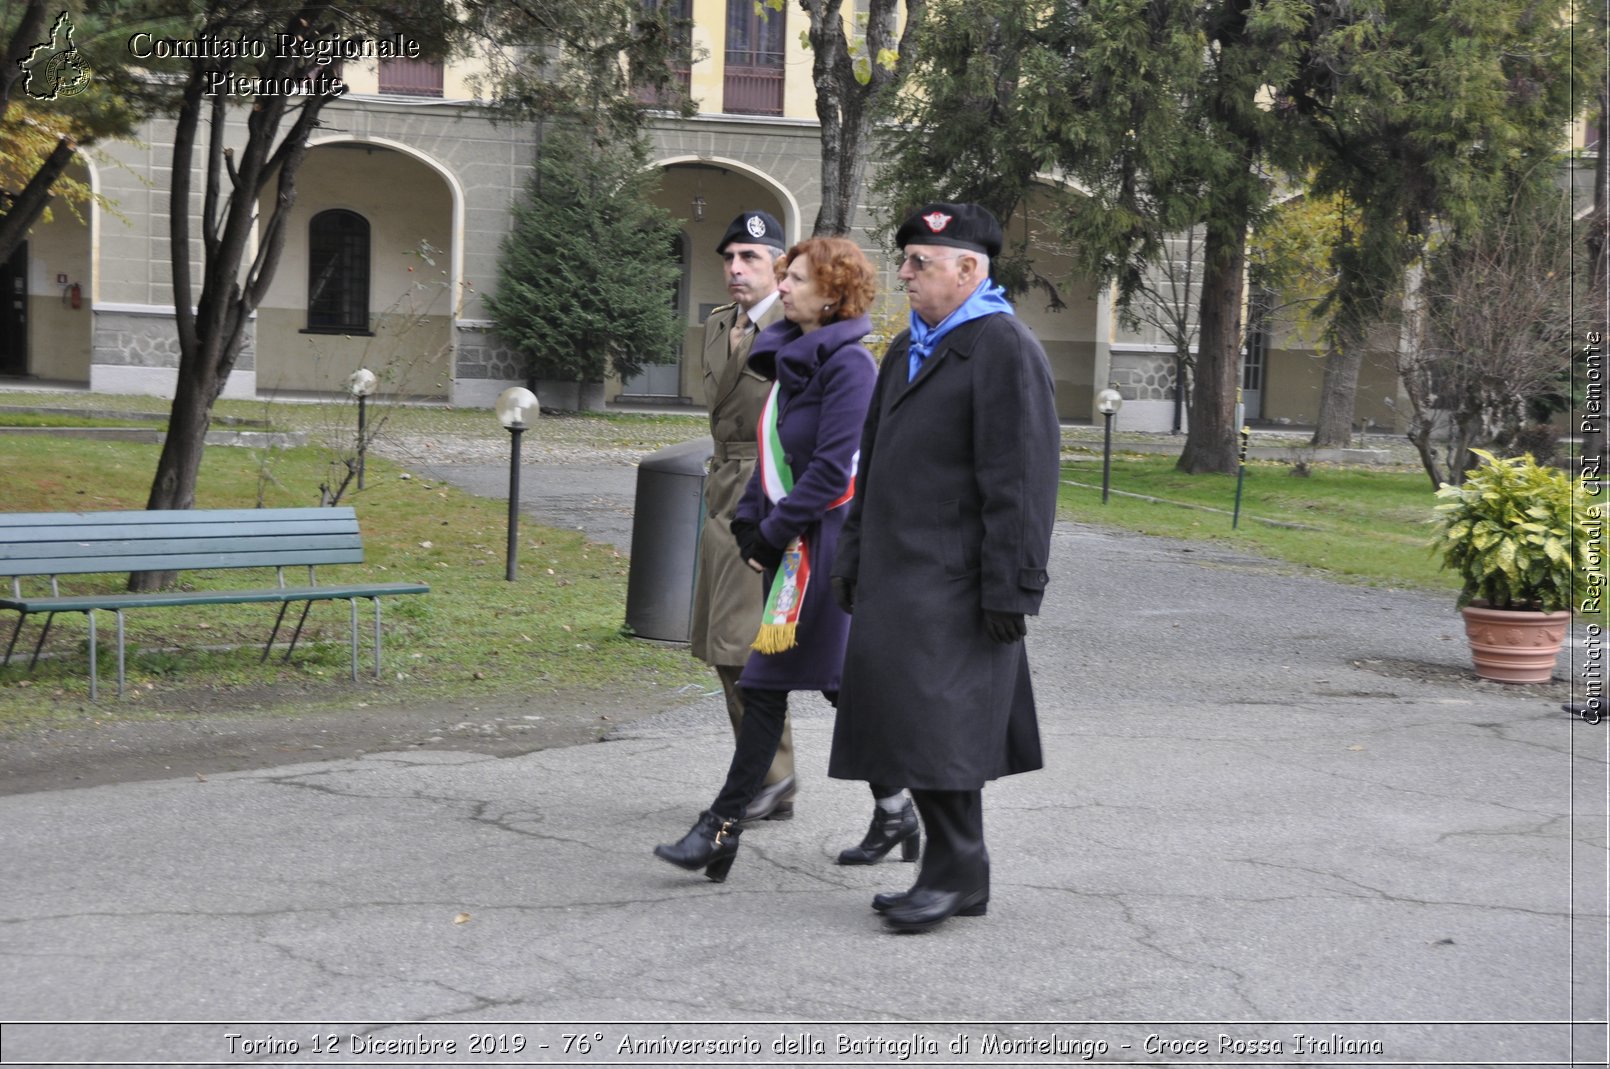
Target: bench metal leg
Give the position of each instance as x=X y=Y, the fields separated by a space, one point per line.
x=37 y=645
x=352 y=603
x=15 y=631
x=94 y=680
x=377 y=636
x=267 y=649
x=50 y=618
x=307 y=607
x=119 y=613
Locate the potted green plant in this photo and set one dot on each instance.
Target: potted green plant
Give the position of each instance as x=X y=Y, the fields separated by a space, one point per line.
x=1516 y=533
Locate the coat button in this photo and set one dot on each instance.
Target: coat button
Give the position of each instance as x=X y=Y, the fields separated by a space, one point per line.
x=788 y=458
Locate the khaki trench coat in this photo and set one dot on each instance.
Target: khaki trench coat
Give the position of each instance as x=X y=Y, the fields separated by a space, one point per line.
x=729 y=595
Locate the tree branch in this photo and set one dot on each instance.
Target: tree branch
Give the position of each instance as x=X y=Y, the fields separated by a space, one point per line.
x=26 y=207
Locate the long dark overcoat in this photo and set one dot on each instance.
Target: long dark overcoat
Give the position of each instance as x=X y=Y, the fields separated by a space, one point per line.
x=826 y=380
x=952 y=515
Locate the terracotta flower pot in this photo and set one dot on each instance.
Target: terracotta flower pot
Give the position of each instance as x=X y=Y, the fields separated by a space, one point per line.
x=1515 y=645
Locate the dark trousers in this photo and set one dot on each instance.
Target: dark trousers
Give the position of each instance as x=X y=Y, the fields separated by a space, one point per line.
x=953 y=858
x=758 y=735
x=782 y=766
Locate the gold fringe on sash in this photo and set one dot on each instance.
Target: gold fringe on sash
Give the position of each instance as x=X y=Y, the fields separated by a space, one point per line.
x=775 y=638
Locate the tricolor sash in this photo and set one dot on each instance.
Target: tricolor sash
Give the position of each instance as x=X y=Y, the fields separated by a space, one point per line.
x=779 y=622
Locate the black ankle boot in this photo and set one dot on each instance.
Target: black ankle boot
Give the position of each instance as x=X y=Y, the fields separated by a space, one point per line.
x=711 y=844
x=887 y=831
x=884 y=901
x=926 y=907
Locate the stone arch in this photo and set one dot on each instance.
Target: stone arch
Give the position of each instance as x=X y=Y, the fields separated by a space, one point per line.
x=721 y=187
x=790 y=217
x=45 y=335
x=415 y=210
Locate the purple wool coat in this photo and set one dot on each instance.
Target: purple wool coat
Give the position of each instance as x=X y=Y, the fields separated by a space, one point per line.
x=826 y=378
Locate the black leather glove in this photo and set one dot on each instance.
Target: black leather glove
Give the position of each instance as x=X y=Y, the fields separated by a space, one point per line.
x=752 y=547
x=765 y=554
x=1005 y=626
x=744 y=533
x=843 y=593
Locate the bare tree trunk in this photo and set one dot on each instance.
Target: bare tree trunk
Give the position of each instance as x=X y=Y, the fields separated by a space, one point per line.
x=30 y=31
x=1211 y=444
x=1338 y=394
x=1595 y=439
x=211 y=323
x=845 y=105
x=180 y=461
x=1413 y=373
x=832 y=73
x=29 y=205
x=1598 y=236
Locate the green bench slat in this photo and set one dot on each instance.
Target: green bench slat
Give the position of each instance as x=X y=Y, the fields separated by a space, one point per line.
x=179 y=562
x=38 y=544
x=81 y=543
x=156 y=517
x=125 y=600
x=177 y=518
x=209 y=553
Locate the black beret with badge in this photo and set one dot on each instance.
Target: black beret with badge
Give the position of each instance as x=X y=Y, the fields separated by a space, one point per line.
x=959 y=226
x=754 y=228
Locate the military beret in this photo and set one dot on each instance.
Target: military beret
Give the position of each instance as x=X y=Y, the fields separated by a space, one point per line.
x=754 y=228
x=960 y=226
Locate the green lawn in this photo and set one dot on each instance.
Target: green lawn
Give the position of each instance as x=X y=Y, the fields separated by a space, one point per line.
x=1365 y=525
x=558 y=624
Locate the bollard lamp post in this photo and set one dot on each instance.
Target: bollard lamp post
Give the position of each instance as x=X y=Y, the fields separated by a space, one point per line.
x=512 y=406
x=360 y=384
x=1108 y=402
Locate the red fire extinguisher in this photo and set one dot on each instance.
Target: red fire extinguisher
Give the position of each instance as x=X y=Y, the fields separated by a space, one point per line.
x=75 y=296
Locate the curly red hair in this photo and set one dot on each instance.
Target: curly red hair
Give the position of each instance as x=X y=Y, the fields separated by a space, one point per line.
x=841 y=272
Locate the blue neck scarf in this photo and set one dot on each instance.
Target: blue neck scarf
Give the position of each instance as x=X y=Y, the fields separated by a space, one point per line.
x=987 y=299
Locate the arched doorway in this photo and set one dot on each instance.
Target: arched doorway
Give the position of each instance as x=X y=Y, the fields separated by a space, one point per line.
x=47 y=293
x=704 y=196
x=365 y=279
x=663 y=382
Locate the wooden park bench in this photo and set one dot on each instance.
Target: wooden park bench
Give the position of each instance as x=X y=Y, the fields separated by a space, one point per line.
x=53 y=544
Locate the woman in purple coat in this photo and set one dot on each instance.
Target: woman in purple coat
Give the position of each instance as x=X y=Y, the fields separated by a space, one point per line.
x=787 y=527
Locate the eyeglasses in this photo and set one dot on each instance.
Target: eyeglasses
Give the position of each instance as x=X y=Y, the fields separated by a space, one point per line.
x=919 y=262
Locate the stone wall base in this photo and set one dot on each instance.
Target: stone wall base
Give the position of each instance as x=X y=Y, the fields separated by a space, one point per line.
x=162 y=381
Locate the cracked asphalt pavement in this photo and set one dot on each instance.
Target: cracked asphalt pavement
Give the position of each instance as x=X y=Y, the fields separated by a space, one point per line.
x=1279 y=822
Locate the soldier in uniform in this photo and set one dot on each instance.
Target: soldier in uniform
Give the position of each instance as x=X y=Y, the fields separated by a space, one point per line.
x=728 y=599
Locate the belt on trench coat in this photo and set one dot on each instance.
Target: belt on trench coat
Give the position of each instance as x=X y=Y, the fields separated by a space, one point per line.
x=726 y=451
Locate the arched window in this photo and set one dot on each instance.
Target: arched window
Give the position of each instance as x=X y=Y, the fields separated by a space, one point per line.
x=338 y=273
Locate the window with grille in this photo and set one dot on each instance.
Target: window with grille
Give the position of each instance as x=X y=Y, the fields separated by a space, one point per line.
x=754 y=71
x=411 y=77
x=1259 y=304
x=678 y=15
x=338 y=273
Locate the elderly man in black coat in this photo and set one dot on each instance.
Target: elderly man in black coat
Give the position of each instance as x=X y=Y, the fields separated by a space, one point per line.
x=943 y=554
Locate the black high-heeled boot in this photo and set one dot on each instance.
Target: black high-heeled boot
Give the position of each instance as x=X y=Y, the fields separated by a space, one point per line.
x=711 y=844
x=887 y=831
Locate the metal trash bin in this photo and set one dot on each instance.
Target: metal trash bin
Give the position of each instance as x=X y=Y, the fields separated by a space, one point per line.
x=667 y=516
